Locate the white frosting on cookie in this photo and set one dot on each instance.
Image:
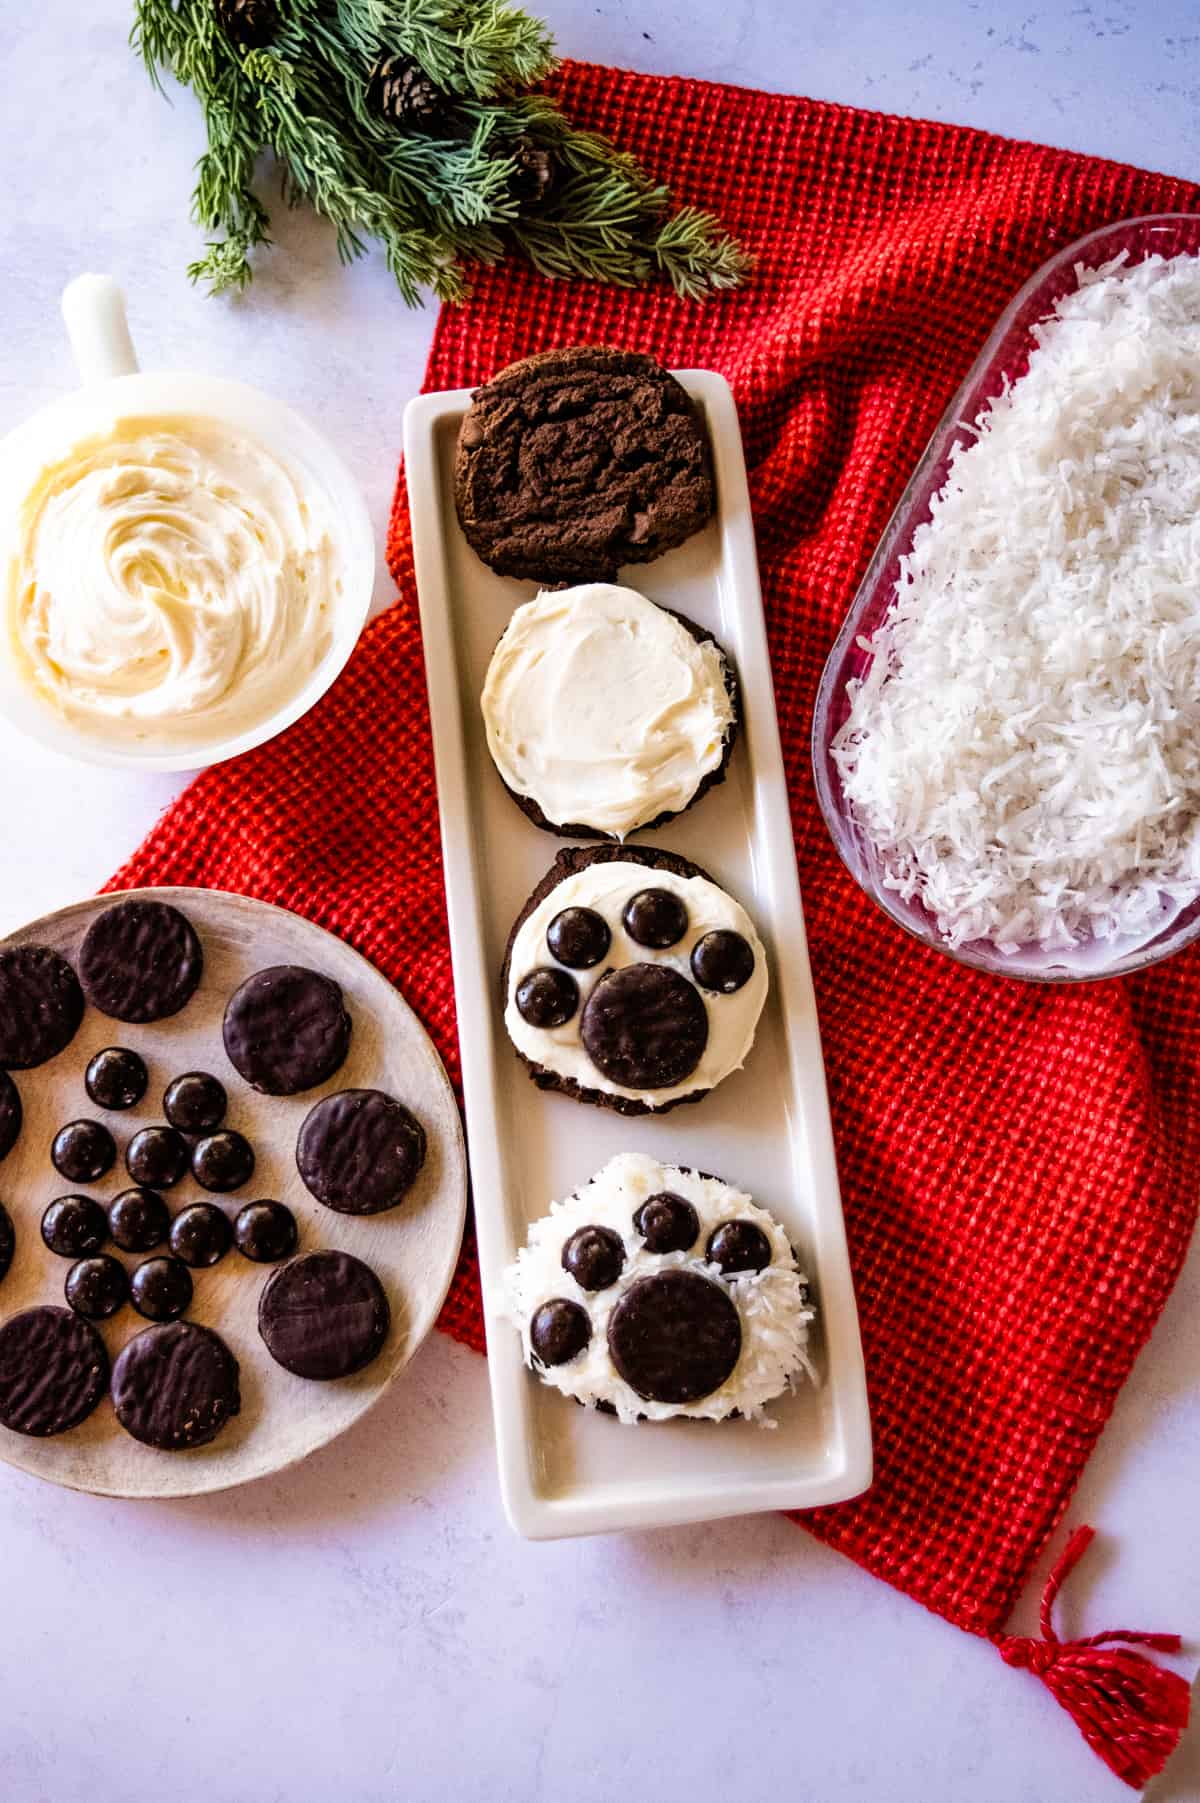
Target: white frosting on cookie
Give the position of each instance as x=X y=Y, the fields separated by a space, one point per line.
x=606 y=887
x=603 y=709
x=772 y=1304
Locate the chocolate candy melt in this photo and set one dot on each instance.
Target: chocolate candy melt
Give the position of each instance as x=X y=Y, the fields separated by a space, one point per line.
x=41 y=1006
x=138 y=1220
x=11 y=1114
x=323 y=1315
x=265 y=1232
x=667 y=1222
x=559 y=1331
x=739 y=1246
x=286 y=1029
x=644 y=1026
x=116 y=1078
x=74 y=1226
x=222 y=1161
x=655 y=917
x=8 y=1241
x=83 y=1151
x=157 y=1157
x=201 y=1235
x=578 y=937
x=360 y=1151
x=722 y=962
x=195 y=1102
x=594 y=1257
x=140 y=961
x=175 y=1386
x=161 y=1288
x=547 y=997
x=53 y=1371
x=97 y=1287
x=675 y=1337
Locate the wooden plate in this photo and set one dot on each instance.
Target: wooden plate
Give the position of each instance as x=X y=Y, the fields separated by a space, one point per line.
x=412 y=1248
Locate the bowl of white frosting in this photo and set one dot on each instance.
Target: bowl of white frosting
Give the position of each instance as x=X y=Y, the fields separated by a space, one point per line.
x=186 y=563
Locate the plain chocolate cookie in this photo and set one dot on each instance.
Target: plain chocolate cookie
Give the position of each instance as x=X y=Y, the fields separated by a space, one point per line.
x=576 y=461
x=41 y=1005
x=323 y=1315
x=140 y=961
x=11 y=1114
x=359 y=1151
x=175 y=1385
x=53 y=1371
x=286 y=1029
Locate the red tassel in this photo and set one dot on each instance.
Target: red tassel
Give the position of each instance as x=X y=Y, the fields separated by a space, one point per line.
x=1129 y=1710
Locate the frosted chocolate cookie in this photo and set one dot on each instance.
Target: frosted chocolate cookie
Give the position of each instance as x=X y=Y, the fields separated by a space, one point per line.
x=53 y=1371
x=11 y=1114
x=286 y=1029
x=632 y=980
x=41 y=1006
x=324 y=1315
x=140 y=961
x=574 y=462
x=360 y=1151
x=657 y=1291
x=176 y=1385
x=605 y=713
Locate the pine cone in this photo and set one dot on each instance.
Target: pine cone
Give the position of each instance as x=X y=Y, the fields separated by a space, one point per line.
x=533 y=176
x=250 y=24
x=401 y=92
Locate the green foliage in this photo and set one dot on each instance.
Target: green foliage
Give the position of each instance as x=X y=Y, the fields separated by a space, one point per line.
x=436 y=204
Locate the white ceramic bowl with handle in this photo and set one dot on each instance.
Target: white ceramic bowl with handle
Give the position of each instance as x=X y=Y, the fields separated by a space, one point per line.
x=113 y=388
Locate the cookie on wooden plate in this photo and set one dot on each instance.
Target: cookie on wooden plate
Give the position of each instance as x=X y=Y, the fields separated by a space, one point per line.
x=632 y=980
x=576 y=461
x=607 y=714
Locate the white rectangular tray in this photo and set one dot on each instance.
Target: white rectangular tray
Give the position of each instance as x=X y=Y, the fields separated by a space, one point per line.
x=563 y=1469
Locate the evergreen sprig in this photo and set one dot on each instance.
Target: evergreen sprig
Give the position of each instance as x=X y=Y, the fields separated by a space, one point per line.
x=437 y=204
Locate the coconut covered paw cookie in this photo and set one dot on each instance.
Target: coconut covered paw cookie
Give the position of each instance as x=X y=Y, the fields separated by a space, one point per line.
x=632 y=980
x=656 y=1291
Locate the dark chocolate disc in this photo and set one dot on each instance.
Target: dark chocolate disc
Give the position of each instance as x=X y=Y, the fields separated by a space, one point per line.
x=140 y=960
x=97 y=1287
x=138 y=1220
x=738 y=1246
x=655 y=917
x=175 y=1386
x=195 y=1102
x=53 y=1371
x=201 y=1235
x=578 y=937
x=74 y=1226
x=10 y=1114
x=160 y=1288
x=594 y=1257
x=83 y=1151
x=8 y=1241
x=559 y=1331
x=547 y=997
x=359 y=1151
x=157 y=1157
x=286 y=1029
x=667 y=1222
x=323 y=1315
x=116 y=1078
x=41 y=1006
x=265 y=1232
x=644 y=1026
x=222 y=1161
x=722 y=962
x=674 y=1337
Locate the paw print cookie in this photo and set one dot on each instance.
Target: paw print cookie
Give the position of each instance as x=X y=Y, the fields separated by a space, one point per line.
x=632 y=980
x=656 y=1291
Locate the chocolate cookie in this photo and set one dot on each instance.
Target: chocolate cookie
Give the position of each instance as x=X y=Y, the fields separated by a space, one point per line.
x=574 y=462
x=360 y=1151
x=41 y=1006
x=8 y=1241
x=645 y=1027
x=675 y=1337
x=323 y=1315
x=53 y=1371
x=287 y=1029
x=11 y=1114
x=140 y=961
x=175 y=1386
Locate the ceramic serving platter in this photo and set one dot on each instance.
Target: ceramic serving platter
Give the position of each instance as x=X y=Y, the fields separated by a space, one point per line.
x=564 y=1469
x=412 y=1248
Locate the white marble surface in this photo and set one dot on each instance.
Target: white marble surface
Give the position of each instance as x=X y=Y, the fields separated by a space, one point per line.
x=366 y=1629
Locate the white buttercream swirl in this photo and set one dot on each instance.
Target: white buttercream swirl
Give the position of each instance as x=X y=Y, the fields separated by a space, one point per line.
x=174 y=581
x=603 y=709
x=772 y=1304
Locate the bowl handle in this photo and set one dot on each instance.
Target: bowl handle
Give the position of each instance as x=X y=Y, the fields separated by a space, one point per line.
x=94 y=309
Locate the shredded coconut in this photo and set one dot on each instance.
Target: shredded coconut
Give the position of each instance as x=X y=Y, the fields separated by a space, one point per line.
x=1024 y=749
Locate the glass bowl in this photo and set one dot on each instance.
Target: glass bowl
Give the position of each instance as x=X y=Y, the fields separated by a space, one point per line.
x=1004 y=356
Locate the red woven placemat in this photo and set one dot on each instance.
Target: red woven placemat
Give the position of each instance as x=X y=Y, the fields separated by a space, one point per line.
x=1018 y=1164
